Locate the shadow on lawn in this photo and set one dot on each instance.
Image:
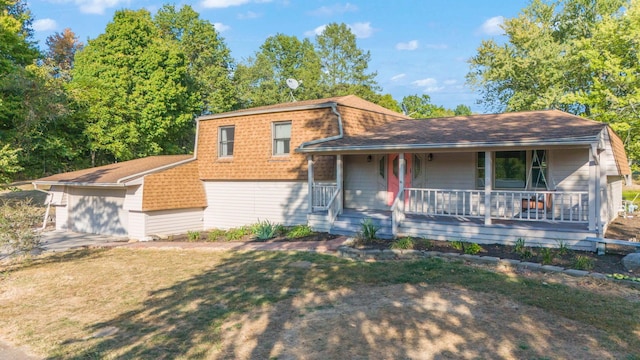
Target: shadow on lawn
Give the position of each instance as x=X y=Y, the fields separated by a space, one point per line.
x=220 y=314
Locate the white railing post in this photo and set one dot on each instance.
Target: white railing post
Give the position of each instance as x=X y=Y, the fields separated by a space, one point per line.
x=339 y=181
x=310 y=181
x=488 y=185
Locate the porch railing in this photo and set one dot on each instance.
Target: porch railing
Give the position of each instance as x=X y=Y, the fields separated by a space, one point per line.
x=322 y=195
x=558 y=206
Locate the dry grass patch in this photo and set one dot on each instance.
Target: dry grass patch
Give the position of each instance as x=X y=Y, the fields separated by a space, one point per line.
x=185 y=304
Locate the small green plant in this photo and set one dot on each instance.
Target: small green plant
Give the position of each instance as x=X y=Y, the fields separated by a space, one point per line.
x=193 y=235
x=368 y=230
x=405 y=243
x=472 y=248
x=618 y=276
x=299 y=231
x=563 y=249
x=236 y=233
x=547 y=256
x=214 y=234
x=456 y=244
x=265 y=230
x=582 y=262
x=518 y=248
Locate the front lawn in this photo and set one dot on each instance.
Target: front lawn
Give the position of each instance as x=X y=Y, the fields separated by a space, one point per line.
x=187 y=304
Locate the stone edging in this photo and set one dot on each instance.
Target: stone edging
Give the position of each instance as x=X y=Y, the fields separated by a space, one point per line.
x=394 y=254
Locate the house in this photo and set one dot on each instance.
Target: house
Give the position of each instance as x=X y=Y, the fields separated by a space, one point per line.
x=545 y=176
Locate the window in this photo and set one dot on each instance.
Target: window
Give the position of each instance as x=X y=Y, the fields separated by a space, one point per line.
x=480 y=170
x=281 y=138
x=539 y=169
x=417 y=166
x=510 y=169
x=226 y=134
x=382 y=166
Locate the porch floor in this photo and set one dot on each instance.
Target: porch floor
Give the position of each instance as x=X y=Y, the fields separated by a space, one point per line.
x=461 y=220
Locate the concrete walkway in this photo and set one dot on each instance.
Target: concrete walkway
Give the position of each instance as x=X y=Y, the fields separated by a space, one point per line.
x=66 y=240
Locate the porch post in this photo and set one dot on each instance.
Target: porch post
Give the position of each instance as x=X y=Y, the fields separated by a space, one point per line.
x=402 y=169
x=310 y=181
x=594 y=180
x=488 y=185
x=339 y=182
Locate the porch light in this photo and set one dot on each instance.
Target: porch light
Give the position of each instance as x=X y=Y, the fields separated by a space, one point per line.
x=369 y=158
x=430 y=157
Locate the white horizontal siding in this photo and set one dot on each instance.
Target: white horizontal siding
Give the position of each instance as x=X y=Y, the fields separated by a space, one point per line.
x=237 y=203
x=451 y=171
x=133 y=200
x=569 y=169
x=607 y=159
x=364 y=188
x=176 y=221
x=137 y=225
x=62 y=217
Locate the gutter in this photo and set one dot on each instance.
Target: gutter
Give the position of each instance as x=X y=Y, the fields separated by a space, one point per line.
x=363 y=148
x=334 y=109
x=73 y=183
x=265 y=111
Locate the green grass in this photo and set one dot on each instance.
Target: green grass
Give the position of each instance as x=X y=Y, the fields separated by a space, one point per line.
x=630 y=194
x=177 y=304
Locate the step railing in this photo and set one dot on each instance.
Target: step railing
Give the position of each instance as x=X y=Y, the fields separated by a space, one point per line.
x=323 y=194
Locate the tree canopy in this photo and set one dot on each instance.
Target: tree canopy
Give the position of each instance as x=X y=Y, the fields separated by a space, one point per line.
x=580 y=56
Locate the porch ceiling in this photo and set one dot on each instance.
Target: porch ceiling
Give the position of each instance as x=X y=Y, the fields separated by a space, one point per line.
x=533 y=128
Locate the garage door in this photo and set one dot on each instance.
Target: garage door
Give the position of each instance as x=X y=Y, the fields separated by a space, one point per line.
x=98 y=211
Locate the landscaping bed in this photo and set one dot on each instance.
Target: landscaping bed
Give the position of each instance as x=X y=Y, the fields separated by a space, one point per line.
x=264 y=231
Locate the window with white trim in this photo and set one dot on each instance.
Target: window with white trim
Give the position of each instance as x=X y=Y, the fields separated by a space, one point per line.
x=282 y=138
x=226 y=136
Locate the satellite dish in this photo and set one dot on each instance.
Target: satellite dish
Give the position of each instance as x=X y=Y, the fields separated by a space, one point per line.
x=292 y=84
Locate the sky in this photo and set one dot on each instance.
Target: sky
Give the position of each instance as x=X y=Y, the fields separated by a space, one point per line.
x=417 y=46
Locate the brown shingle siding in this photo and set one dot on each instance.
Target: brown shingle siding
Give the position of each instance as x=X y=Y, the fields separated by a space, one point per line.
x=175 y=188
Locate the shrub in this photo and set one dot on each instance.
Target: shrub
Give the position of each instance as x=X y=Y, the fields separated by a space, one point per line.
x=18 y=226
x=237 y=233
x=193 y=235
x=214 y=234
x=519 y=247
x=457 y=245
x=299 y=231
x=405 y=243
x=368 y=231
x=563 y=249
x=472 y=248
x=547 y=256
x=264 y=230
x=582 y=262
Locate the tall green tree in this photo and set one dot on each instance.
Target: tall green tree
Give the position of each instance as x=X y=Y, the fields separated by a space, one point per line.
x=209 y=61
x=344 y=65
x=420 y=107
x=262 y=79
x=135 y=88
x=579 y=56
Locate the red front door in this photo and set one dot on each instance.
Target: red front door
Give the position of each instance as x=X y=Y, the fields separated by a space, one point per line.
x=393 y=177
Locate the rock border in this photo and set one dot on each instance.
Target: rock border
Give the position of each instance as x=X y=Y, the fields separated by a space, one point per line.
x=346 y=251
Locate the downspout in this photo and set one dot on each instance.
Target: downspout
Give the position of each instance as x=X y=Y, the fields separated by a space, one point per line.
x=48 y=202
x=334 y=109
x=598 y=195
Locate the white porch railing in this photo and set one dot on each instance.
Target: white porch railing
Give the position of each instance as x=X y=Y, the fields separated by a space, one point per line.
x=558 y=206
x=322 y=195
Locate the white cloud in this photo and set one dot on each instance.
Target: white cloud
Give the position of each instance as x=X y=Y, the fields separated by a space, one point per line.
x=44 y=25
x=316 y=31
x=398 y=77
x=334 y=10
x=411 y=45
x=248 y=15
x=93 y=6
x=450 y=82
x=220 y=27
x=493 y=26
x=437 y=46
x=222 y=3
x=361 y=30
x=430 y=85
x=425 y=82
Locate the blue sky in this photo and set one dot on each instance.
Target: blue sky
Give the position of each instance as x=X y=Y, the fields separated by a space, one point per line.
x=417 y=46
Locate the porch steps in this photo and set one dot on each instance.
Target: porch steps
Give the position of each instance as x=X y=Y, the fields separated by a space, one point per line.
x=349 y=223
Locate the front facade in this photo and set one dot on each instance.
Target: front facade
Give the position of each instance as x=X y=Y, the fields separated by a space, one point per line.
x=544 y=176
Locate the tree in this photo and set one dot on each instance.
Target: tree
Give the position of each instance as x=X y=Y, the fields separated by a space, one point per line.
x=16 y=47
x=262 y=80
x=344 y=65
x=9 y=163
x=209 y=61
x=60 y=54
x=579 y=56
x=135 y=88
x=420 y=107
x=462 y=110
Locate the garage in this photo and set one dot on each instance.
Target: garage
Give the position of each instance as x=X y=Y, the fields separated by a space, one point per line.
x=98 y=211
